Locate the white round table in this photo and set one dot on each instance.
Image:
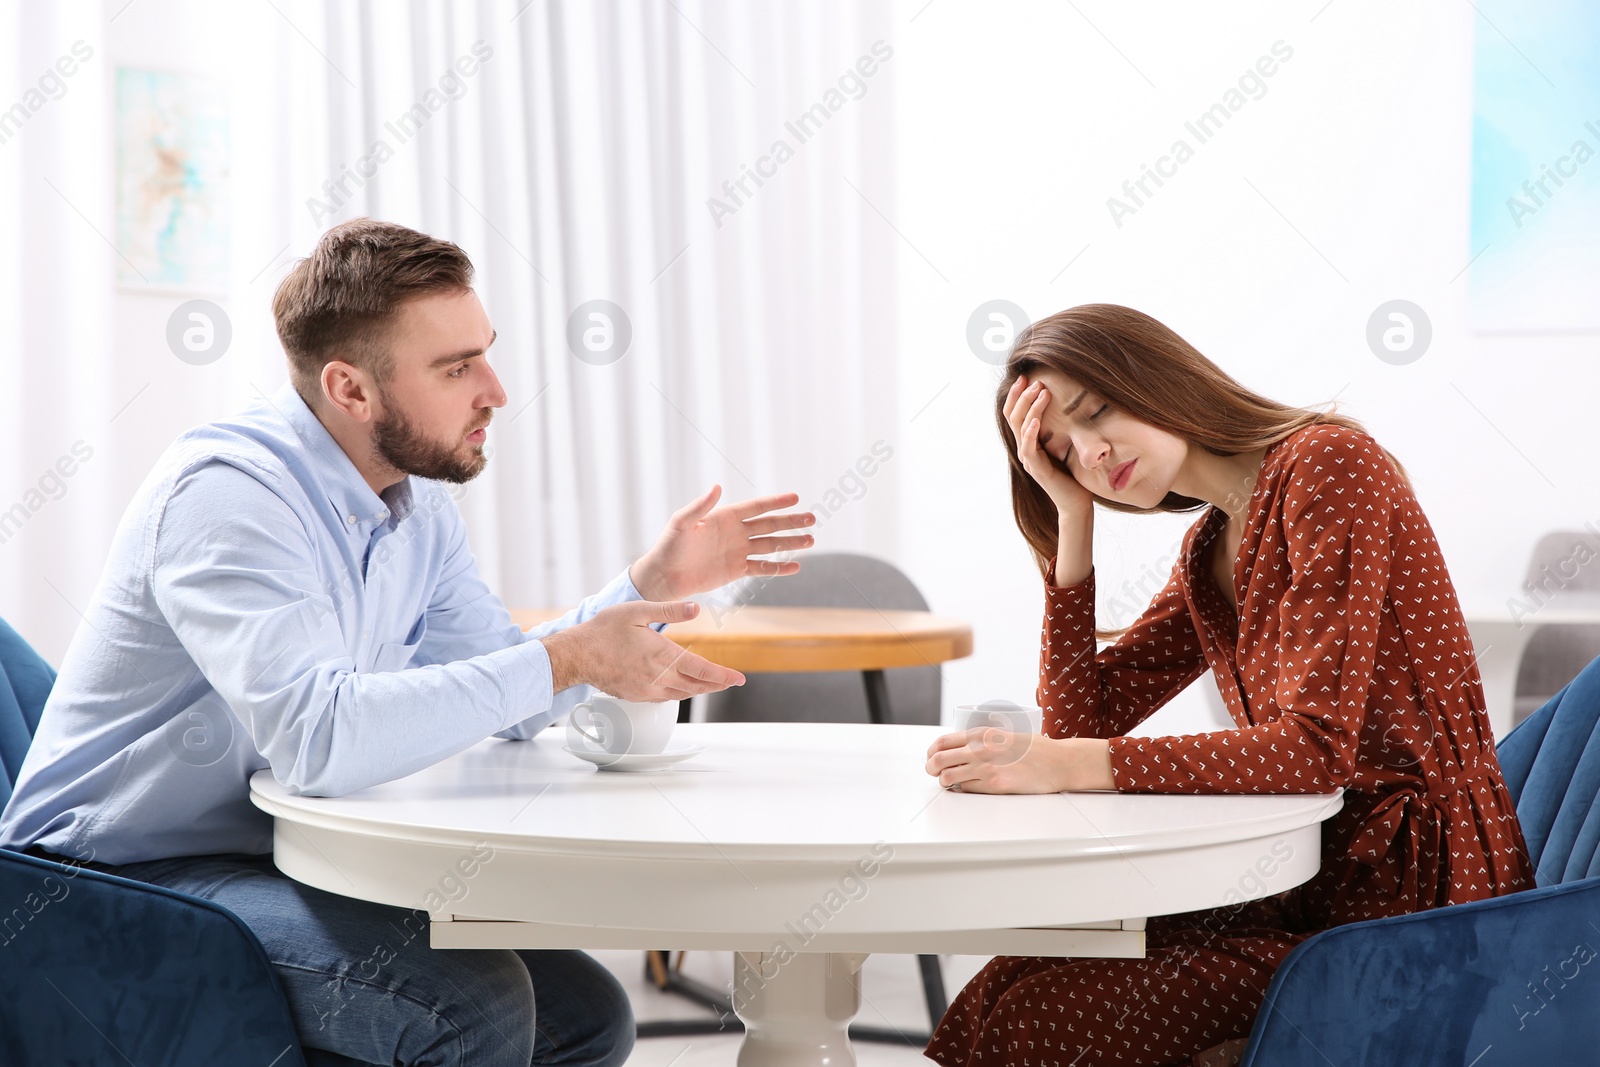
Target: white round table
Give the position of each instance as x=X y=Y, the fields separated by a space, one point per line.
x=802 y=847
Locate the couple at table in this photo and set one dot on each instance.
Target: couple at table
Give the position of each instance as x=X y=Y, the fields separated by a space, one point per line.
x=292 y=588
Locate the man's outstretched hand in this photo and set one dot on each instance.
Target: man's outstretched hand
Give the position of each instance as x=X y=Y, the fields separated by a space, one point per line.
x=618 y=653
x=705 y=547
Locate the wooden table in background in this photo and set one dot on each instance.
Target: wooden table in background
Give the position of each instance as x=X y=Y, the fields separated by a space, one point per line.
x=756 y=639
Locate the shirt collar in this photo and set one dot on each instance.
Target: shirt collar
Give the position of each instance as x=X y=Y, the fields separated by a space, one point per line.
x=347 y=490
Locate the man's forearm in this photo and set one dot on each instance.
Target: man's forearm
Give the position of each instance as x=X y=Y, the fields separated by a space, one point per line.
x=567 y=660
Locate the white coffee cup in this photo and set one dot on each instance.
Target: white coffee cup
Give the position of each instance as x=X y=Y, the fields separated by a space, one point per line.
x=616 y=727
x=1001 y=713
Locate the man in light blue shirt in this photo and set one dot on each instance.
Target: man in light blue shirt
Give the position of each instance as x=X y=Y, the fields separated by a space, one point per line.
x=292 y=589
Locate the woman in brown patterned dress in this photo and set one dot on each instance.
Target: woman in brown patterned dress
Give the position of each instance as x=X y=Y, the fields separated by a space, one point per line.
x=1313 y=588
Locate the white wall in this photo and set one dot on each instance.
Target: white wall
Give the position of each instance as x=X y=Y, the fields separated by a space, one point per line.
x=1018 y=121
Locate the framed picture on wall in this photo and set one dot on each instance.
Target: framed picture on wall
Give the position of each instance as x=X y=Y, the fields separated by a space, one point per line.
x=172 y=182
x=1535 y=227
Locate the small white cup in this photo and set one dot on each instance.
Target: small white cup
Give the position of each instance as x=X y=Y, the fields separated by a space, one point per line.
x=615 y=727
x=1001 y=713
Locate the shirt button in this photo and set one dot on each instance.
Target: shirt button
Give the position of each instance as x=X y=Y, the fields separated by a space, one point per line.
x=350 y=519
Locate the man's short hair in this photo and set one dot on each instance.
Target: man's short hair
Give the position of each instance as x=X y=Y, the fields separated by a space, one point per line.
x=341 y=301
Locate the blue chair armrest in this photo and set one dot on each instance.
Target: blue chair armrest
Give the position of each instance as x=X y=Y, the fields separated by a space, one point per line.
x=96 y=969
x=1510 y=980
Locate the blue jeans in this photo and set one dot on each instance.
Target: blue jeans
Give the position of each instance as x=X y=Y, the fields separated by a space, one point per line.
x=365 y=988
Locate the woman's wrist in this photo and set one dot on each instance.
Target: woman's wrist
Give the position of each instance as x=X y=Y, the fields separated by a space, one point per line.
x=1074 y=536
x=1082 y=763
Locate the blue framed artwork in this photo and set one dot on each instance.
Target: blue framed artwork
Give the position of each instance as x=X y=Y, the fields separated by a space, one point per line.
x=1536 y=168
x=172 y=181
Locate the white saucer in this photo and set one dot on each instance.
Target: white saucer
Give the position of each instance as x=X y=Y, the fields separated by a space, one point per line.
x=636 y=761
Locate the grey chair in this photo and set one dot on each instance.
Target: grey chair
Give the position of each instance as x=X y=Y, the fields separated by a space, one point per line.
x=1565 y=565
x=902 y=695
x=835 y=580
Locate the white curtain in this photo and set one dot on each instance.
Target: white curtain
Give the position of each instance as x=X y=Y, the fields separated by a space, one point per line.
x=57 y=270
x=572 y=153
x=574 y=150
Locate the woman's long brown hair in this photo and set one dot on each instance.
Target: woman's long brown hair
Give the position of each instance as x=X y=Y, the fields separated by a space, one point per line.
x=1144 y=369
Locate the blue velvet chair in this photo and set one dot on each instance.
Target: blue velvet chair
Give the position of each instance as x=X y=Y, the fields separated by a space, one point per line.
x=1512 y=980
x=96 y=969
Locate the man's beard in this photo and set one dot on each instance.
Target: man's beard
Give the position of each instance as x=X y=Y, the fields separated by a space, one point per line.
x=401 y=444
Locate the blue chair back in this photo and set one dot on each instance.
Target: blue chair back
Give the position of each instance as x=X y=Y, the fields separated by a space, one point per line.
x=1449 y=984
x=1552 y=768
x=100 y=969
x=25 y=682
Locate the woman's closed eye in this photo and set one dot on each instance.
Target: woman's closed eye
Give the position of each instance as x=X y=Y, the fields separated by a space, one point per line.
x=1044 y=441
x=1044 y=446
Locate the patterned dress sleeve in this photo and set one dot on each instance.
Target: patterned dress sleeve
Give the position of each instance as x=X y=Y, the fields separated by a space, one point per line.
x=1089 y=694
x=1339 y=515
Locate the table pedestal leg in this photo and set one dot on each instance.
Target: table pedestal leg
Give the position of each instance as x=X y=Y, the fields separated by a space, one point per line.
x=796 y=1013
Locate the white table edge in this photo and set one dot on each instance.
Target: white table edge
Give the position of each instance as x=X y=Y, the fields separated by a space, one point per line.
x=267 y=794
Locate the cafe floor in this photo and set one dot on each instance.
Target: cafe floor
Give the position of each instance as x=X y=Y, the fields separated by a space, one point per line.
x=891 y=996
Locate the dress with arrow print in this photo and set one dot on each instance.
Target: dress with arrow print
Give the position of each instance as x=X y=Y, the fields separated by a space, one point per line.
x=1347 y=664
